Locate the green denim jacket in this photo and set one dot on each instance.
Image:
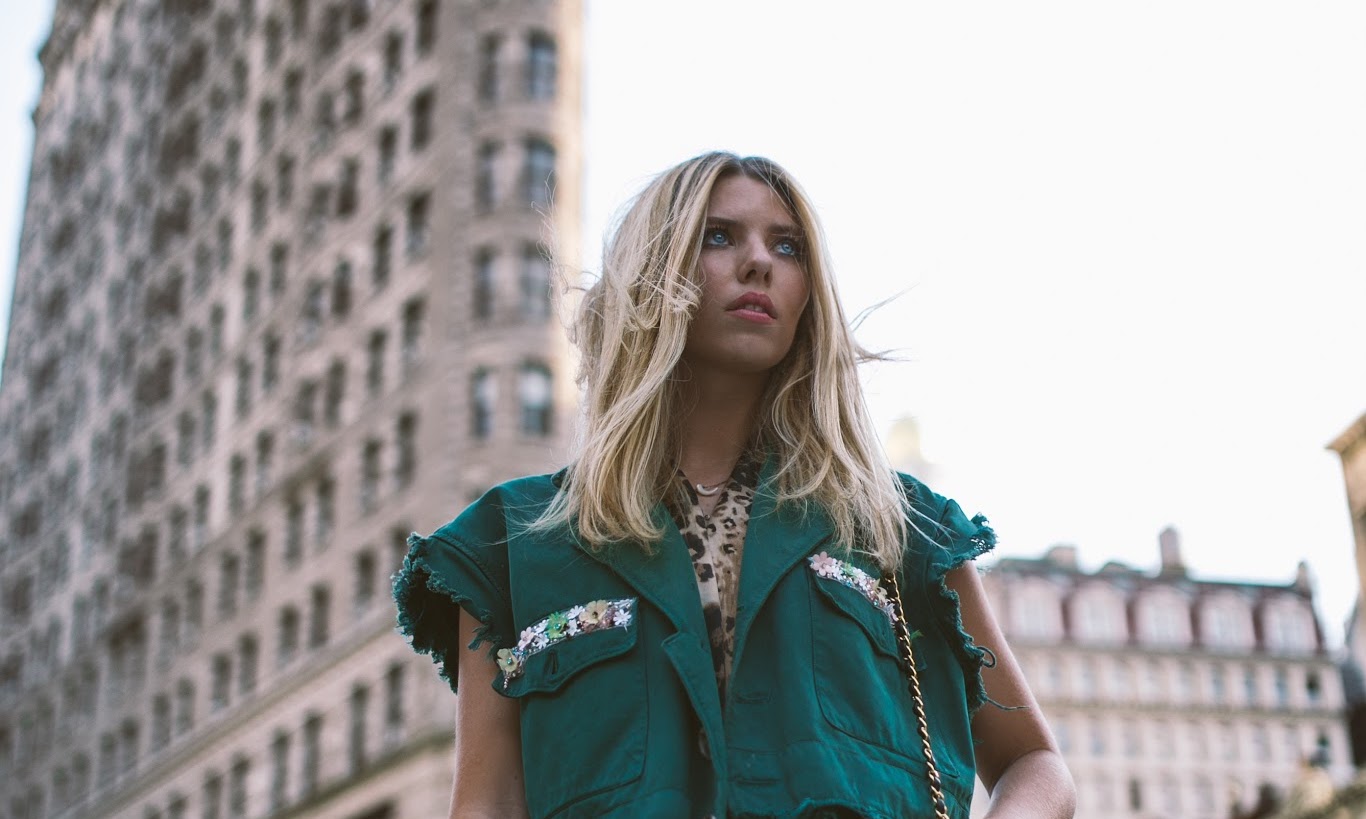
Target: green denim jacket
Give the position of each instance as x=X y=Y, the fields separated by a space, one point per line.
x=627 y=721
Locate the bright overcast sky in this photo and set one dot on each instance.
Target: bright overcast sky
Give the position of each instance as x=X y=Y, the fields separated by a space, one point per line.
x=1125 y=241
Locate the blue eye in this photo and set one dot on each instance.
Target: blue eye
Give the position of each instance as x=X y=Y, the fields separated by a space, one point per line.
x=715 y=237
x=788 y=247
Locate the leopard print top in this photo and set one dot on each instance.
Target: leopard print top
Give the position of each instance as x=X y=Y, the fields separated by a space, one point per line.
x=716 y=543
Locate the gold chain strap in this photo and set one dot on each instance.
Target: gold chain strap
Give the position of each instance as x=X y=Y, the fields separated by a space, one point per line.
x=903 y=635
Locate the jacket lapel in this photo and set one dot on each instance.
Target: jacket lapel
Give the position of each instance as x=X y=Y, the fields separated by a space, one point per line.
x=665 y=578
x=775 y=540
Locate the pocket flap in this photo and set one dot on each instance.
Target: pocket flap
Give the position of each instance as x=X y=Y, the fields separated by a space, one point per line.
x=550 y=668
x=860 y=609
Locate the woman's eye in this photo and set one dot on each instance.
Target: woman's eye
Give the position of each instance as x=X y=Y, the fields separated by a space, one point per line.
x=715 y=236
x=788 y=247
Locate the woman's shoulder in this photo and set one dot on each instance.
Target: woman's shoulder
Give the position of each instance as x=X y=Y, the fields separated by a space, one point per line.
x=502 y=506
x=941 y=521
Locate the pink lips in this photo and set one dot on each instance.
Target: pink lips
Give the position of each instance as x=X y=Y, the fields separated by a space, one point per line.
x=753 y=306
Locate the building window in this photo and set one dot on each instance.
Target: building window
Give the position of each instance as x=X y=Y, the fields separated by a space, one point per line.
x=366 y=578
x=348 y=190
x=184 y=707
x=341 y=289
x=1282 y=683
x=335 y=393
x=279 y=772
x=265 y=124
x=486 y=177
x=194 y=611
x=393 y=704
x=483 y=399
x=260 y=205
x=294 y=532
x=289 y=636
x=406 y=468
x=1313 y=688
x=161 y=722
x=538 y=174
x=237 y=478
x=222 y=682
x=194 y=349
x=423 y=106
x=237 y=789
x=534 y=397
x=374 y=371
x=324 y=121
x=490 y=53
x=212 y=802
x=360 y=702
x=298 y=19
x=284 y=180
x=270 y=363
x=318 y=207
x=185 y=439
x=251 y=294
x=248 y=658
x=275 y=34
x=418 y=223
x=354 y=106
x=425 y=38
x=327 y=511
x=244 y=375
x=393 y=59
x=312 y=754
x=535 y=283
x=483 y=284
x=414 y=312
x=229 y=575
x=318 y=615
x=541 y=67
x=216 y=319
x=388 y=153
x=255 y=575
x=369 y=479
x=1135 y=795
x=279 y=268
x=311 y=316
x=383 y=253
x=293 y=94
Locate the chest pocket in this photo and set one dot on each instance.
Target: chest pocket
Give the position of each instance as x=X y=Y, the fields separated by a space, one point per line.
x=583 y=717
x=860 y=683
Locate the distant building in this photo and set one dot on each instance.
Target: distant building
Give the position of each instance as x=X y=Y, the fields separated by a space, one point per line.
x=1350 y=447
x=1173 y=696
x=282 y=297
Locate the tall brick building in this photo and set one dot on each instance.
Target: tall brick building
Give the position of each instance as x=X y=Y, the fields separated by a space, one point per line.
x=282 y=297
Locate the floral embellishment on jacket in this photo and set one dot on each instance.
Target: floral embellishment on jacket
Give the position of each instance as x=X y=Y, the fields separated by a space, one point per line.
x=560 y=626
x=832 y=568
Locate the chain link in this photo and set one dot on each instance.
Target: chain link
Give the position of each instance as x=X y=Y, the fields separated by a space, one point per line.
x=903 y=635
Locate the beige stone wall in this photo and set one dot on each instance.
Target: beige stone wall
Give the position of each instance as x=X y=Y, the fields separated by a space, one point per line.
x=192 y=215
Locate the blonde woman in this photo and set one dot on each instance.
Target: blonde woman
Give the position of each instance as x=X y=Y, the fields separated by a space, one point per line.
x=713 y=610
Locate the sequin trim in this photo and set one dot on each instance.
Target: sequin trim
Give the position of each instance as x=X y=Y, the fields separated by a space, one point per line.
x=560 y=626
x=832 y=568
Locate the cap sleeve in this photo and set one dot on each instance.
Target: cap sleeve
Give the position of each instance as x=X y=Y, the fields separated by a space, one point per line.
x=462 y=565
x=955 y=539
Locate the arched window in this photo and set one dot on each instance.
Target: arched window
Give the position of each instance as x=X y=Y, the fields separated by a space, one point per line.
x=490 y=51
x=534 y=396
x=486 y=177
x=535 y=283
x=540 y=67
x=538 y=174
x=483 y=284
x=483 y=399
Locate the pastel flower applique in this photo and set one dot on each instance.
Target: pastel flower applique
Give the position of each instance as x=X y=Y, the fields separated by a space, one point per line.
x=560 y=626
x=847 y=574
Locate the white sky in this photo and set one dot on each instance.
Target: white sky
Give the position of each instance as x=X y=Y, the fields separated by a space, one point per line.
x=1127 y=239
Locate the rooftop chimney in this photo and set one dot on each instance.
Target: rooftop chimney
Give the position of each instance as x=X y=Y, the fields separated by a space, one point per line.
x=1063 y=555
x=1169 y=547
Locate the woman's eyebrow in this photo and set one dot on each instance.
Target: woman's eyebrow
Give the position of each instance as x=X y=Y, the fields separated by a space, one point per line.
x=775 y=229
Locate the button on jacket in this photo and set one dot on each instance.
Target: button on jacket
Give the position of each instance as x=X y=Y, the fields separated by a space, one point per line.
x=817 y=720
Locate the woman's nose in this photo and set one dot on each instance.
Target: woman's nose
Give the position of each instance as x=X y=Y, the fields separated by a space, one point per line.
x=758 y=262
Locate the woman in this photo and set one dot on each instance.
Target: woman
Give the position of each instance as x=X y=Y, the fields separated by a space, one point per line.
x=708 y=612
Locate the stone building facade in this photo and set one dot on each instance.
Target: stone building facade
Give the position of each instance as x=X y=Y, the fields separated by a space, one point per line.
x=1350 y=447
x=282 y=297
x=1173 y=696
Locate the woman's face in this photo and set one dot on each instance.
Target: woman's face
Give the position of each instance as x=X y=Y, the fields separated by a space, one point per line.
x=754 y=284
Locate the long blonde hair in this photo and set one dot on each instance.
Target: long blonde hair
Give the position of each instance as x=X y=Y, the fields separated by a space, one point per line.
x=631 y=329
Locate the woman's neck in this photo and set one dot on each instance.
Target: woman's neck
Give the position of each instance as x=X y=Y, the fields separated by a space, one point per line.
x=720 y=412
